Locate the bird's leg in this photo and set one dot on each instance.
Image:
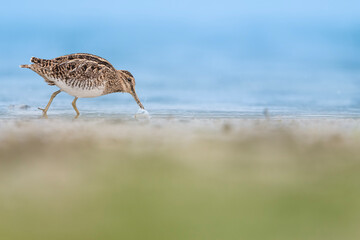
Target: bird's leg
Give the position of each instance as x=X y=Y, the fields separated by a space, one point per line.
x=49 y=103
x=74 y=106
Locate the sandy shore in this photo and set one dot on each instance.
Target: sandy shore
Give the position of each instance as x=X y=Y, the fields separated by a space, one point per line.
x=180 y=178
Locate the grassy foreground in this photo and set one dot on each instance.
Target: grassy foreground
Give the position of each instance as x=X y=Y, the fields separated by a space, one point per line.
x=169 y=179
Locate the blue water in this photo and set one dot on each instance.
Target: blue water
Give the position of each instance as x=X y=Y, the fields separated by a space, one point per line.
x=216 y=64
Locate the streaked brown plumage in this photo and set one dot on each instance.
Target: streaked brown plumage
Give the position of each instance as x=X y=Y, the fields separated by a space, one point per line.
x=83 y=75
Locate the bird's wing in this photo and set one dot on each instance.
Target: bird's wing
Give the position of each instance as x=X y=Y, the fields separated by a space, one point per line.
x=82 y=73
x=86 y=56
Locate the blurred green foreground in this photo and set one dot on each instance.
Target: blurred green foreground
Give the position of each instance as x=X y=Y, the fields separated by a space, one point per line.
x=216 y=179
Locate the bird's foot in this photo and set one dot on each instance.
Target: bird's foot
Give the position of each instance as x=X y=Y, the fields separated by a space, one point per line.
x=42 y=109
x=44 y=115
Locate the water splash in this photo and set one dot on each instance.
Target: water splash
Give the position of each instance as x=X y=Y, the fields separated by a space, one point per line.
x=142 y=114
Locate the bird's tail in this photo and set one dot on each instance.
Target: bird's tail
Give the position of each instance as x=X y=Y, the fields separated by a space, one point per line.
x=25 y=66
x=39 y=61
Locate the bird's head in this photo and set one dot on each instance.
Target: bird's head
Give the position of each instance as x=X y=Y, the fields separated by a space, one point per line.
x=128 y=83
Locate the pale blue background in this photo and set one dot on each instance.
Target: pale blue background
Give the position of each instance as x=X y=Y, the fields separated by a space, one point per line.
x=231 y=56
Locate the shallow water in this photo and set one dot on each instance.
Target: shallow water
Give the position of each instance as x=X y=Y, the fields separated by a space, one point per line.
x=158 y=112
x=20 y=98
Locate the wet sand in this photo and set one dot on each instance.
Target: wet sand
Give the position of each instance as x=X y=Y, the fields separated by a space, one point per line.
x=172 y=178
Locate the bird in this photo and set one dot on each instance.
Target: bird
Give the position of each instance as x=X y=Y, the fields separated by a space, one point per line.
x=82 y=75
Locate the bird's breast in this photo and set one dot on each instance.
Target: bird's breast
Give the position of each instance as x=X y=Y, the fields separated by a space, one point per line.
x=80 y=92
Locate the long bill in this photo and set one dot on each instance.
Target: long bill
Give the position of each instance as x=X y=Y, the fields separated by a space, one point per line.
x=133 y=93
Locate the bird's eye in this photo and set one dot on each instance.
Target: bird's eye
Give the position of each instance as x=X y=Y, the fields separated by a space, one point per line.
x=129 y=79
